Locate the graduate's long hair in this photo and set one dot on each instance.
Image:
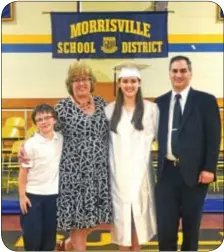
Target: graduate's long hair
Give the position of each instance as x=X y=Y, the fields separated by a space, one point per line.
x=138 y=112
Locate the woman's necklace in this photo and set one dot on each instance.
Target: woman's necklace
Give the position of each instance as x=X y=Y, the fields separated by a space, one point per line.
x=85 y=106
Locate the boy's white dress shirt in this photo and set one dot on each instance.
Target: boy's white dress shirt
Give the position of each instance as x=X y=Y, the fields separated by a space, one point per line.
x=44 y=155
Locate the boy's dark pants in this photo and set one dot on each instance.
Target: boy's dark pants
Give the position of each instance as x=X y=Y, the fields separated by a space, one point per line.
x=39 y=224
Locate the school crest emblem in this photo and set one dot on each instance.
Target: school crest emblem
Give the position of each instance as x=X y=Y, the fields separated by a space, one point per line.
x=109 y=45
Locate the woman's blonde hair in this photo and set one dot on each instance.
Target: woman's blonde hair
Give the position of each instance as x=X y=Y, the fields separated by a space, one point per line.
x=76 y=70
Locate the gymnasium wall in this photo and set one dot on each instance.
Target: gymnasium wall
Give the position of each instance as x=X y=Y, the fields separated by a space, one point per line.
x=28 y=70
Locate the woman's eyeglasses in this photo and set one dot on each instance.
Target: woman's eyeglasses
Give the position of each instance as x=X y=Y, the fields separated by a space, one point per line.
x=81 y=80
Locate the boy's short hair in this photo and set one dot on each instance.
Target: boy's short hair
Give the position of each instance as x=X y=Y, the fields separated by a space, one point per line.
x=43 y=108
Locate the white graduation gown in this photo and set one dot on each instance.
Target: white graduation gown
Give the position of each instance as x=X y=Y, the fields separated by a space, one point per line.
x=132 y=176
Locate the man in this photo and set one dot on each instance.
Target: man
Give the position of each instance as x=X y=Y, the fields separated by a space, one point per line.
x=188 y=138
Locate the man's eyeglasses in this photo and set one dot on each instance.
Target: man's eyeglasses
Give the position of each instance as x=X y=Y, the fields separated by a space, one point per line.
x=45 y=118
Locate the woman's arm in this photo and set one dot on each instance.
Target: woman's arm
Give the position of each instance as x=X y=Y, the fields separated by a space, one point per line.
x=22 y=155
x=58 y=125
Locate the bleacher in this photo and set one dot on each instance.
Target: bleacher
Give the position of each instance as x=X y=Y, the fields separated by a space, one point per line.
x=17 y=127
x=15 y=130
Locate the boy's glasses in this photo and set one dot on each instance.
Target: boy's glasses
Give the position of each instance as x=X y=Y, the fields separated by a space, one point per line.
x=45 y=118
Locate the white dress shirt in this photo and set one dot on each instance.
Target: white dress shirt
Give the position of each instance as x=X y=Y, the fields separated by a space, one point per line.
x=44 y=155
x=183 y=101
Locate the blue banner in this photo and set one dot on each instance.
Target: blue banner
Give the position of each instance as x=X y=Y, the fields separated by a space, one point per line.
x=220 y=13
x=109 y=35
x=7 y=13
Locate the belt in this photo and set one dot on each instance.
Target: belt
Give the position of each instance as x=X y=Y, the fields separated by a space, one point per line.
x=174 y=163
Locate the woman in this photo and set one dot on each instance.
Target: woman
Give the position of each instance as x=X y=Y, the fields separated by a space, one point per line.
x=84 y=200
x=132 y=129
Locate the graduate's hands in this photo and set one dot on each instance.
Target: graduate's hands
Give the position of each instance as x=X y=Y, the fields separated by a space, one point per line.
x=206 y=177
x=24 y=202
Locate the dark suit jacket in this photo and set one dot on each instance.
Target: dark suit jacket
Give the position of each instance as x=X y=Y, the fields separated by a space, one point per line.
x=199 y=136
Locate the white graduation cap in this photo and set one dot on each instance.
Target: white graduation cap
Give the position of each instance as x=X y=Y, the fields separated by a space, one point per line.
x=128 y=69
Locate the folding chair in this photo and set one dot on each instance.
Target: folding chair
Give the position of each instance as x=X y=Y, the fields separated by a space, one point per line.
x=15 y=121
x=9 y=135
x=13 y=165
x=220 y=182
x=31 y=131
x=154 y=146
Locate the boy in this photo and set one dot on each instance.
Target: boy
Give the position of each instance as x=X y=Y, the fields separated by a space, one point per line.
x=38 y=182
